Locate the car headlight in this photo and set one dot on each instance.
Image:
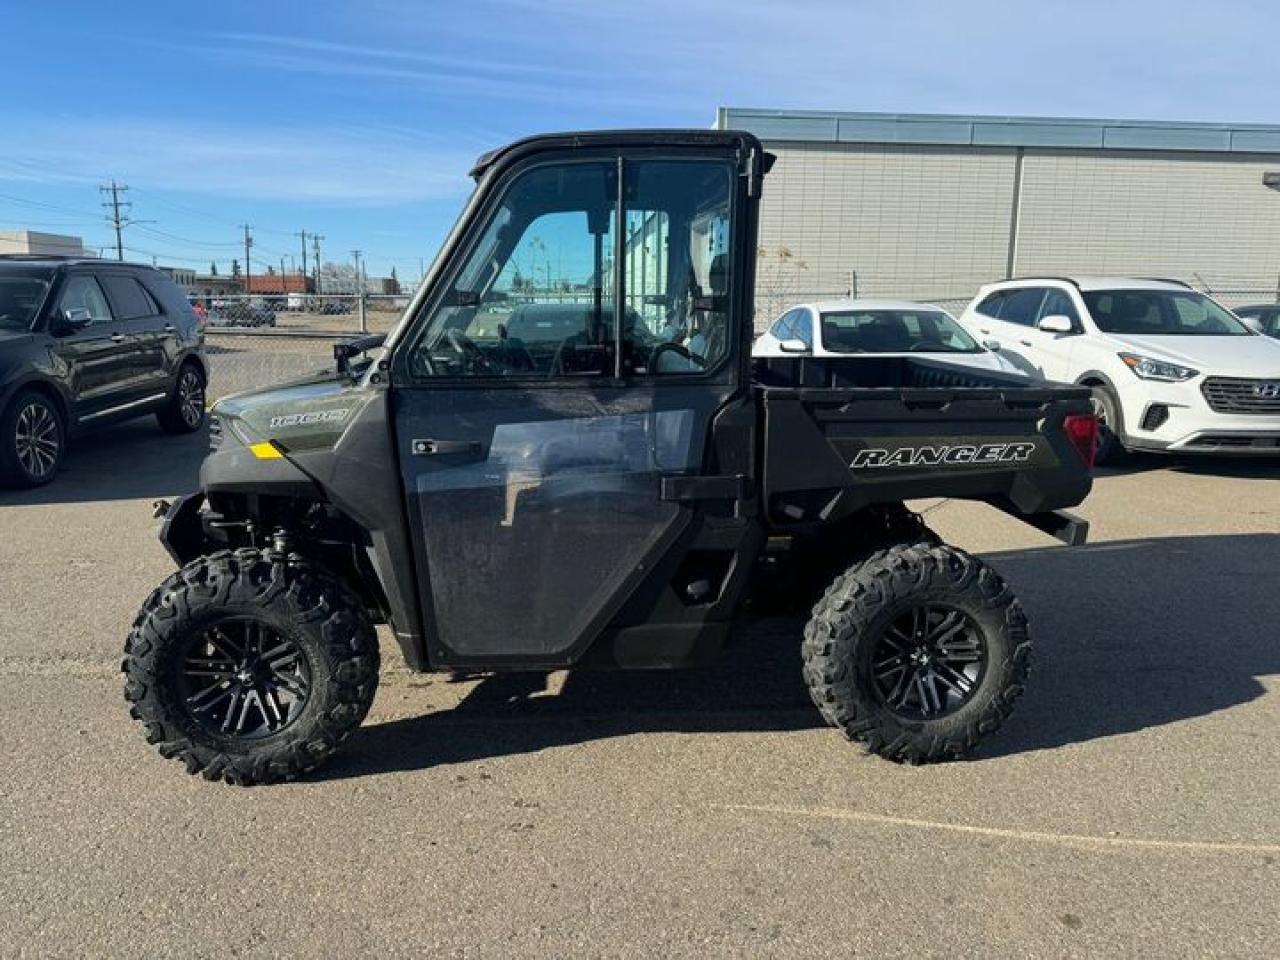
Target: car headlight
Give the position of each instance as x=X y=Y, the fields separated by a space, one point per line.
x=1149 y=368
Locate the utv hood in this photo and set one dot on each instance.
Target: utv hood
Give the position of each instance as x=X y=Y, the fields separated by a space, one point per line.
x=303 y=414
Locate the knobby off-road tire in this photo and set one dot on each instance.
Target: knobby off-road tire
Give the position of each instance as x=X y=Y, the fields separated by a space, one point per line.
x=873 y=613
x=191 y=669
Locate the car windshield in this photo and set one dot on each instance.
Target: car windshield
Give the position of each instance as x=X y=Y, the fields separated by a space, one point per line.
x=1164 y=313
x=894 y=331
x=20 y=298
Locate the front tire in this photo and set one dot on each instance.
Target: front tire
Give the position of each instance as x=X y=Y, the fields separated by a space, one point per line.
x=32 y=440
x=918 y=653
x=184 y=411
x=250 y=667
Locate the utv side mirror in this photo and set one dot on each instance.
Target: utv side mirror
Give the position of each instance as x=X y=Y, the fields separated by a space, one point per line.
x=992 y=345
x=72 y=321
x=1056 y=323
x=792 y=346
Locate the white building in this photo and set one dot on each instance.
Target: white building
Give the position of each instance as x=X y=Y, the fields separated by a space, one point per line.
x=924 y=206
x=42 y=244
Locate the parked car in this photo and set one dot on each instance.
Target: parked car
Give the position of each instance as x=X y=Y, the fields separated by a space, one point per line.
x=1171 y=369
x=84 y=343
x=835 y=328
x=1263 y=318
x=241 y=313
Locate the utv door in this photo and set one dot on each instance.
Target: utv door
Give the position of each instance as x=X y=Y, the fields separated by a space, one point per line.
x=570 y=357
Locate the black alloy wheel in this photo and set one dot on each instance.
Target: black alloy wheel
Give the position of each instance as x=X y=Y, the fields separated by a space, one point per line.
x=241 y=678
x=928 y=662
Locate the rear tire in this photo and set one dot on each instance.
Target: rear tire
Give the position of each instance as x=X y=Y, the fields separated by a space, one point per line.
x=239 y=713
x=969 y=647
x=184 y=410
x=33 y=440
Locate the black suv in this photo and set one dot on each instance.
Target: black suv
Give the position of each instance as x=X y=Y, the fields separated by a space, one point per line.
x=85 y=343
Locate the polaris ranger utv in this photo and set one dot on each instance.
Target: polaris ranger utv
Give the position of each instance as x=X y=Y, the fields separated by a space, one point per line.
x=564 y=456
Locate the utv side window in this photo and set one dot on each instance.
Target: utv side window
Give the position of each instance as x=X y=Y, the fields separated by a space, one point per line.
x=535 y=297
x=676 y=265
x=530 y=299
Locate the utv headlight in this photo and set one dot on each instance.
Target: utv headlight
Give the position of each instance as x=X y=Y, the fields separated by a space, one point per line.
x=1149 y=368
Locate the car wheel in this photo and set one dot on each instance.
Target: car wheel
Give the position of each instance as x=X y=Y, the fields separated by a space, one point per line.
x=250 y=667
x=1110 y=449
x=184 y=412
x=917 y=654
x=32 y=440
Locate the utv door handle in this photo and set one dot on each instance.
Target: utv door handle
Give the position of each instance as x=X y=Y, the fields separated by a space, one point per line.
x=435 y=448
x=170 y=328
x=117 y=338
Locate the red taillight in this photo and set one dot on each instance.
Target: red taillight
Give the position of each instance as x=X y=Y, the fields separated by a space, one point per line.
x=1082 y=431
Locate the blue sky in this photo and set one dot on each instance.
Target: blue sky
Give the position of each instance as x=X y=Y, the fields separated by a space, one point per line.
x=360 y=120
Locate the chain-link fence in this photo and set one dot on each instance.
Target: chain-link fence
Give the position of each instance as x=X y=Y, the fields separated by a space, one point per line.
x=253 y=342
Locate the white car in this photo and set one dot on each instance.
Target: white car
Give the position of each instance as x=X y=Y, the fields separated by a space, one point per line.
x=840 y=328
x=1171 y=369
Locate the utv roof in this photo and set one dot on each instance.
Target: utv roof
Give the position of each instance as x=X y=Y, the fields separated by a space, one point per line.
x=618 y=138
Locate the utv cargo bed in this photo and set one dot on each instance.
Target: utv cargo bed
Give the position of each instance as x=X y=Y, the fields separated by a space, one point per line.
x=842 y=434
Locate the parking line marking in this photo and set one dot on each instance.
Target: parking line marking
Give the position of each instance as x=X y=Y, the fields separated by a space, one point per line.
x=1025 y=836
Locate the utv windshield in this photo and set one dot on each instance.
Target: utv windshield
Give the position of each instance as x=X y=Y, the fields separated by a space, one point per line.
x=20 y=299
x=895 y=331
x=1162 y=313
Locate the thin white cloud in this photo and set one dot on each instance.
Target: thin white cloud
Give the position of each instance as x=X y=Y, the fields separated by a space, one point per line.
x=337 y=166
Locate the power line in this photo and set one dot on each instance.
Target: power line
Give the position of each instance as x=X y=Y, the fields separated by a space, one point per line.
x=193 y=243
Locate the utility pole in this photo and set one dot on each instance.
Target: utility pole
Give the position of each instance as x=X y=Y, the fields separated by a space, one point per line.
x=115 y=217
x=284 y=287
x=364 y=323
x=315 y=249
x=248 y=266
x=303 y=235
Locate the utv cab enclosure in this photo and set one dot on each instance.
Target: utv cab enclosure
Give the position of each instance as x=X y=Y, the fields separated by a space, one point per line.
x=564 y=455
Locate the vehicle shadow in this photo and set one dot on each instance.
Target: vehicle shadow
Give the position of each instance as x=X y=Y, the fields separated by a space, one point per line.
x=1249 y=468
x=130 y=461
x=1129 y=635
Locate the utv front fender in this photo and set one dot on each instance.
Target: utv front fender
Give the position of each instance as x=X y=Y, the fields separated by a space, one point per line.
x=181 y=530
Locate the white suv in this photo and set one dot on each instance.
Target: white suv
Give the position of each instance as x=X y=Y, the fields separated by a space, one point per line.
x=1171 y=369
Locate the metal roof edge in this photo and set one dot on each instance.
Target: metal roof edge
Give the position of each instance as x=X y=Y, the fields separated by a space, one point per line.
x=817 y=126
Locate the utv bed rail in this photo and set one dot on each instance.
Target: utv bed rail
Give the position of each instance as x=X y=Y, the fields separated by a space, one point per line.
x=841 y=435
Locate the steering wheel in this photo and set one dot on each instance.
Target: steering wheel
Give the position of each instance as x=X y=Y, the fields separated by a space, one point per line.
x=471 y=356
x=676 y=348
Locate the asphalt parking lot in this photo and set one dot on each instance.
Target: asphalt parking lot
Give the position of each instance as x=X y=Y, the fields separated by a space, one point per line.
x=1130 y=807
